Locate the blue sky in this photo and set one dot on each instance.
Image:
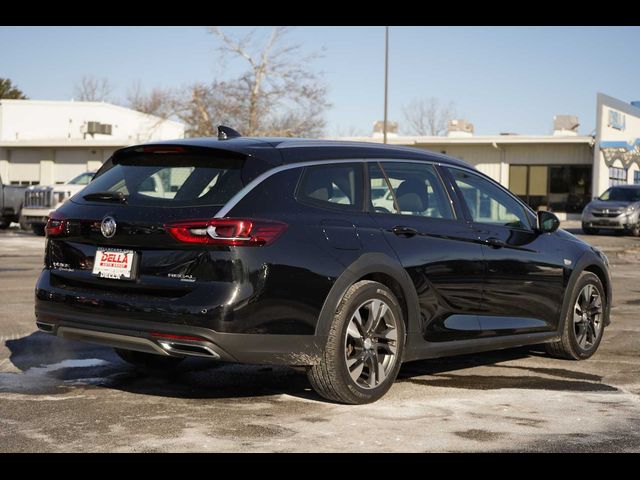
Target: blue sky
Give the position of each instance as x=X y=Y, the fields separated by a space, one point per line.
x=500 y=78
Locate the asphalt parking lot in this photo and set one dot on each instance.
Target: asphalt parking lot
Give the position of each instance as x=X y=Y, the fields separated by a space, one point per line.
x=57 y=395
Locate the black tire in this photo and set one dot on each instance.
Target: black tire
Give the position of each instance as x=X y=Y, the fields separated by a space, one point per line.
x=4 y=224
x=148 y=362
x=331 y=378
x=568 y=346
x=589 y=230
x=38 y=229
x=635 y=230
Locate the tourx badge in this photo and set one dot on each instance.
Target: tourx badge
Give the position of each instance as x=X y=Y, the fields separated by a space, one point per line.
x=108 y=227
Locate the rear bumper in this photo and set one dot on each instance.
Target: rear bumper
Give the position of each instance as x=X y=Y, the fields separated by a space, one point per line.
x=79 y=315
x=146 y=336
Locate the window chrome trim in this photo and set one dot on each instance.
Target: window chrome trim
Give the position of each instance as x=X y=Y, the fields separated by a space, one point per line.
x=233 y=201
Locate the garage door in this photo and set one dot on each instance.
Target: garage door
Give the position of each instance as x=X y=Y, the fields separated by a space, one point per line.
x=24 y=167
x=69 y=164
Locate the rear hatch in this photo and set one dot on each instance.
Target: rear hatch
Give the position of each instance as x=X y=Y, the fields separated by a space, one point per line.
x=116 y=237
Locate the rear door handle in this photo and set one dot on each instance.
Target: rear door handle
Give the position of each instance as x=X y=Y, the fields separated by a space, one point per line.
x=494 y=242
x=404 y=231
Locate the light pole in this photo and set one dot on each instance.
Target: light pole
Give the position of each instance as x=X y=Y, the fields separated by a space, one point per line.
x=386 y=80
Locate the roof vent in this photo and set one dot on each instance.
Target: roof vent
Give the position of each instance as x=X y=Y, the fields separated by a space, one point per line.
x=460 y=128
x=378 y=129
x=565 y=125
x=225 y=133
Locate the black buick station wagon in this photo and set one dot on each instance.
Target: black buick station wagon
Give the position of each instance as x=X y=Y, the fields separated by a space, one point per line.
x=347 y=259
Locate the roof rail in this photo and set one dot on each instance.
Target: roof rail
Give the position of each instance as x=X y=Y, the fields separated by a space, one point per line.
x=225 y=133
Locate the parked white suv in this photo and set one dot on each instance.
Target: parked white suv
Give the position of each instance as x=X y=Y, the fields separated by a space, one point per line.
x=41 y=200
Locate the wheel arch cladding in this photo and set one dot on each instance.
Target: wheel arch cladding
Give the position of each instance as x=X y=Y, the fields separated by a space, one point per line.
x=599 y=272
x=393 y=285
x=380 y=268
x=588 y=262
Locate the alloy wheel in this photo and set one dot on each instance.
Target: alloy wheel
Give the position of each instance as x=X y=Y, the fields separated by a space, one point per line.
x=587 y=316
x=371 y=343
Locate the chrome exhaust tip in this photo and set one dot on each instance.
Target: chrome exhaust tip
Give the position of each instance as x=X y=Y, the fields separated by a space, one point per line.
x=188 y=349
x=45 y=327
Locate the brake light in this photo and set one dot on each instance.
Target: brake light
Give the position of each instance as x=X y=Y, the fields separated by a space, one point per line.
x=234 y=232
x=163 y=149
x=56 y=225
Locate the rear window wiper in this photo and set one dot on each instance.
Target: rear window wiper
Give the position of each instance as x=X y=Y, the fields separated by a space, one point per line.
x=106 y=197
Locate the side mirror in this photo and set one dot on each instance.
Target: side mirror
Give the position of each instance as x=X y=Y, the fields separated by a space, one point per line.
x=547 y=222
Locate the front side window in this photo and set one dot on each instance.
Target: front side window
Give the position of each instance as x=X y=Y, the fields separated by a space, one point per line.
x=336 y=186
x=408 y=189
x=488 y=203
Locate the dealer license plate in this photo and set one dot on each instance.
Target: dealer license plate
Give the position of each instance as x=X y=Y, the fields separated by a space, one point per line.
x=114 y=263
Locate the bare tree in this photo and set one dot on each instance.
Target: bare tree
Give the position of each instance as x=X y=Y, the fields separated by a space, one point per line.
x=350 y=131
x=159 y=102
x=277 y=95
x=428 y=116
x=92 y=89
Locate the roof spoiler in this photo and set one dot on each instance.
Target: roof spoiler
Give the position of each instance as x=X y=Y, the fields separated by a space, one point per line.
x=225 y=133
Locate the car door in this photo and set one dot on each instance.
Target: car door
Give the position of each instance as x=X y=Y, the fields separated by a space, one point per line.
x=336 y=220
x=433 y=243
x=523 y=288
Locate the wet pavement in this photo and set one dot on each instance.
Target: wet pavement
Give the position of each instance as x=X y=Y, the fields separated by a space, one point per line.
x=58 y=395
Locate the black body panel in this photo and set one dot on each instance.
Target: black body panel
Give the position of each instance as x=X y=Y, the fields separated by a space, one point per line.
x=459 y=292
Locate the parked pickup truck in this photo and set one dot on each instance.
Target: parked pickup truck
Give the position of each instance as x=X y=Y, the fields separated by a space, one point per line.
x=41 y=200
x=11 y=199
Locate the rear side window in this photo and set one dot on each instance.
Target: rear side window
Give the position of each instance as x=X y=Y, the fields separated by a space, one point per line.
x=334 y=186
x=171 y=180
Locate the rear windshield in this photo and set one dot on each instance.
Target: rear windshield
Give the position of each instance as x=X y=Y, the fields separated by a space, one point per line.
x=174 y=181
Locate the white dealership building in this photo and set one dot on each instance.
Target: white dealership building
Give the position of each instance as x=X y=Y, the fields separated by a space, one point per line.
x=50 y=142
x=560 y=172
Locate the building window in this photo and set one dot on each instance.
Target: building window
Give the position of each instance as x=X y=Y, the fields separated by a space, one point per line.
x=636 y=177
x=617 y=176
x=565 y=188
x=569 y=188
x=23 y=183
x=530 y=183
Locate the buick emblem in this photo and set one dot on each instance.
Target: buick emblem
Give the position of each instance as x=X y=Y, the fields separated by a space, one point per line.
x=108 y=227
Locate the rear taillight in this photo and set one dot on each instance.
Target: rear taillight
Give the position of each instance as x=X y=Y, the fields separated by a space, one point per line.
x=56 y=225
x=227 y=231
